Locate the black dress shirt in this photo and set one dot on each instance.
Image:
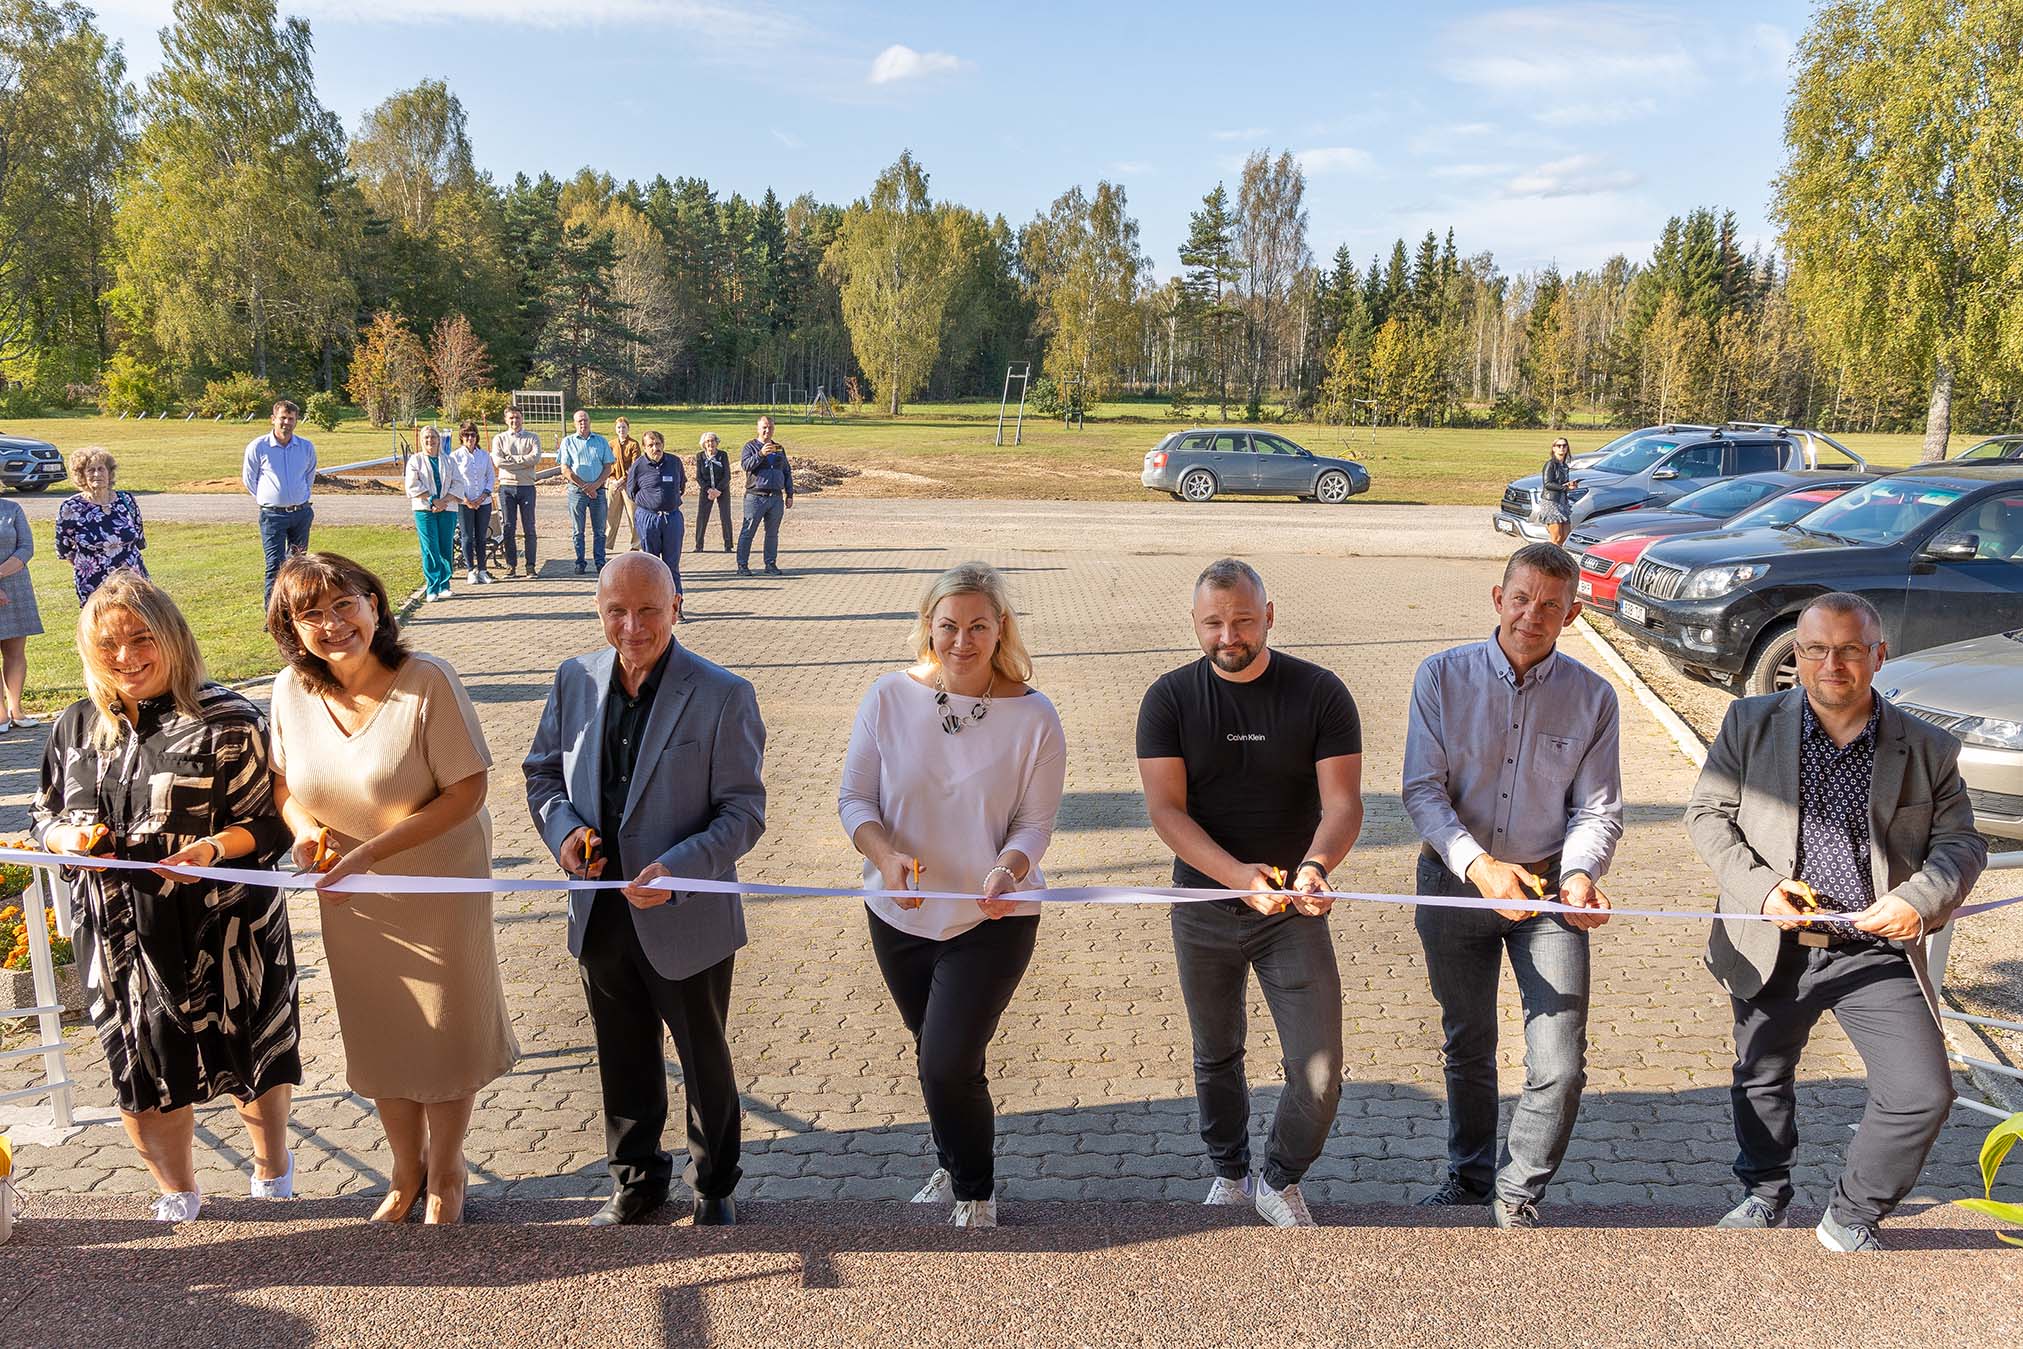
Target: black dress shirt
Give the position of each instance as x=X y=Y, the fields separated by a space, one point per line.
x=1833 y=830
x=625 y=717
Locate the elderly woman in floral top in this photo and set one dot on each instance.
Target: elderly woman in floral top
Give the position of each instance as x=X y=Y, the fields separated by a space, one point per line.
x=193 y=982
x=98 y=531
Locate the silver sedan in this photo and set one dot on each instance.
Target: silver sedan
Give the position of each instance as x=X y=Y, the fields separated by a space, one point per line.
x=1201 y=465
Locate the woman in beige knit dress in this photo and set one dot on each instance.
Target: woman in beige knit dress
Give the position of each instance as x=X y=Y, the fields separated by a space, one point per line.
x=380 y=747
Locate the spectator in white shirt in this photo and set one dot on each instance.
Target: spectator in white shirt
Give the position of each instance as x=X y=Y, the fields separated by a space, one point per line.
x=474 y=515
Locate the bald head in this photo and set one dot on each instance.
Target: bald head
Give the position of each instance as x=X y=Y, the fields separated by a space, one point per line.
x=638 y=607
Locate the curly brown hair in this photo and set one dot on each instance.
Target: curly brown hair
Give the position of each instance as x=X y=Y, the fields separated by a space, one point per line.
x=305 y=580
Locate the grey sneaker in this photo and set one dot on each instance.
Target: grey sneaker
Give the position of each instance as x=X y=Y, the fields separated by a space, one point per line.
x=1848 y=1238
x=1754 y=1212
x=1513 y=1217
x=1453 y=1194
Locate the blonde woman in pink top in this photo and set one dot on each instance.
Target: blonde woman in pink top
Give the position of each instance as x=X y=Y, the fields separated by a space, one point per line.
x=952 y=781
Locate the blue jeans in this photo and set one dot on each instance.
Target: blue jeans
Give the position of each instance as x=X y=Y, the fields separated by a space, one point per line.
x=765 y=508
x=438 y=533
x=1464 y=962
x=660 y=534
x=587 y=506
x=283 y=533
x=518 y=504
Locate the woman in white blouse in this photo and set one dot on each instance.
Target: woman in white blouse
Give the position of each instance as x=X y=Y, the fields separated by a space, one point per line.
x=952 y=781
x=434 y=489
x=480 y=477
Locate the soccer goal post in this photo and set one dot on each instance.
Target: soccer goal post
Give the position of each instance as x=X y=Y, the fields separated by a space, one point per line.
x=539 y=407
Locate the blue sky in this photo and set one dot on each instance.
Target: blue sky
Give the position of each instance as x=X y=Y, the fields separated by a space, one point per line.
x=1559 y=132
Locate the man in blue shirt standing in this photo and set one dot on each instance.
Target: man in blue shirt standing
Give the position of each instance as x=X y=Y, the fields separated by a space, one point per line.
x=279 y=471
x=769 y=492
x=586 y=461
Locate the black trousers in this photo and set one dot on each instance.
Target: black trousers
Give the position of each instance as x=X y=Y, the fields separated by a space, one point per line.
x=630 y=1003
x=722 y=506
x=518 y=505
x=950 y=995
x=1873 y=992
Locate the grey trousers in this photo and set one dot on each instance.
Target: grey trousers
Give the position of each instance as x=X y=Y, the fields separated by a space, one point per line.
x=1217 y=943
x=1464 y=963
x=1873 y=992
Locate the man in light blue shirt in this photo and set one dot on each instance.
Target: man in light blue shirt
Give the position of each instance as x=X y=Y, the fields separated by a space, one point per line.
x=586 y=461
x=1513 y=779
x=280 y=471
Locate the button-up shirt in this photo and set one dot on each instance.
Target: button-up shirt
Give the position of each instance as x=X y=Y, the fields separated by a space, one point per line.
x=278 y=474
x=481 y=476
x=1833 y=829
x=625 y=716
x=585 y=456
x=1523 y=771
x=769 y=469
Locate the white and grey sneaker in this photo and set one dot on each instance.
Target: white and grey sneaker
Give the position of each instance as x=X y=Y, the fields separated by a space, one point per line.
x=1227 y=1193
x=1753 y=1212
x=975 y=1213
x=1282 y=1208
x=1847 y=1238
x=940 y=1188
x=179 y=1207
x=472 y=576
x=281 y=1187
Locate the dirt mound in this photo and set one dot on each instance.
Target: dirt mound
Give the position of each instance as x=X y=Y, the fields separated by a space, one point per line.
x=812 y=475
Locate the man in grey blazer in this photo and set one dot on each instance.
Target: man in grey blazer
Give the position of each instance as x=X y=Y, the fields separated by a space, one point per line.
x=645 y=765
x=1829 y=799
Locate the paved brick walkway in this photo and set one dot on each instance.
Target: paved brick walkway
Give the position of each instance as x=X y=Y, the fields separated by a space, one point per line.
x=1092 y=1066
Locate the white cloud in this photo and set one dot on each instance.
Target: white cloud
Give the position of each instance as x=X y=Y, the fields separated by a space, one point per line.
x=789 y=139
x=1573 y=176
x=1333 y=159
x=1248 y=133
x=901 y=62
x=1574 y=64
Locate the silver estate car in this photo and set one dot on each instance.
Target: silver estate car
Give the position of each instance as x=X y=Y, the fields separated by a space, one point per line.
x=1200 y=465
x=1975 y=690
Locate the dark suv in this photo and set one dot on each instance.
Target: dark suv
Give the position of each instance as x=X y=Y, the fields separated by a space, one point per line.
x=1659 y=464
x=1938 y=549
x=29 y=465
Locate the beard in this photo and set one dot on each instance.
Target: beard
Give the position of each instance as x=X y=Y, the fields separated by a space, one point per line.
x=1235 y=659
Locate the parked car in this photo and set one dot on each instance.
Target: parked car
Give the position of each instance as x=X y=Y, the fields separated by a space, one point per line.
x=1200 y=465
x=1937 y=549
x=1994 y=447
x=1975 y=690
x=1604 y=565
x=29 y=465
x=1708 y=508
x=1658 y=465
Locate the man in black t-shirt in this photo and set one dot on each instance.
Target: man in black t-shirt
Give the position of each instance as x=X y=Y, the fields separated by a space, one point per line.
x=1252 y=762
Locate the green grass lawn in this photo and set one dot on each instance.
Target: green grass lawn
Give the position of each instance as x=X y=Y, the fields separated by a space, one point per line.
x=934 y=450
x=214 y=572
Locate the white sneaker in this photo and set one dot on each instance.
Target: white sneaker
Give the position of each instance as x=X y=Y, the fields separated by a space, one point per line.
x=1282 y=1208
x=473 y=577
x=940 y=1188
x=484 y=577
x=975 y=1213
x=179 y=1207
x=1227 y=1193
x=281 y=1187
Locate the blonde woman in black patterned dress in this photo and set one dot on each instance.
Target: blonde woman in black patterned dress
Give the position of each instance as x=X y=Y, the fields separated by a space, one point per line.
x=193 y=982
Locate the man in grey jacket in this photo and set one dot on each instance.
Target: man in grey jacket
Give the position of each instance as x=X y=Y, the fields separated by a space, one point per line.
x=645 y=765
x=1827 y=799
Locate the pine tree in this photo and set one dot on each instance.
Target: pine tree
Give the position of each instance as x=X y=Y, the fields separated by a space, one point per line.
x=586 y=330
x=1209 y=255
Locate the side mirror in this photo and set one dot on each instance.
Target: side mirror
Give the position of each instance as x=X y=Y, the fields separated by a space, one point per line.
x=1665 y=475
x=1955 y=545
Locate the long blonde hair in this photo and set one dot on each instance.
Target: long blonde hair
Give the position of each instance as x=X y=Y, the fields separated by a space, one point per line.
x=1011 y=661
x=175 y=646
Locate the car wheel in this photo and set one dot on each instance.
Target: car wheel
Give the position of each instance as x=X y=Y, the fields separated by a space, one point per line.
x=1774 y=668
x=1176 y=496
x=1198 y=484
x=31 y=487
x=1333 y=487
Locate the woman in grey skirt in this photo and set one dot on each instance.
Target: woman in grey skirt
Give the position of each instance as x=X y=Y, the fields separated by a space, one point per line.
x=19 y=618
x=1555 y=493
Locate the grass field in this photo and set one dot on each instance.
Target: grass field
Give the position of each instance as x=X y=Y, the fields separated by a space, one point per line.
x=214 y=571
x=934 y=450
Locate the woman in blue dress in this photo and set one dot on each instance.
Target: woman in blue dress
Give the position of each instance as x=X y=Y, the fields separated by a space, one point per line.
x=98 y=531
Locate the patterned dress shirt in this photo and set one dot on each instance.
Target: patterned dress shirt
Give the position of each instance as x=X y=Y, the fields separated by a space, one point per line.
x=1833 y=829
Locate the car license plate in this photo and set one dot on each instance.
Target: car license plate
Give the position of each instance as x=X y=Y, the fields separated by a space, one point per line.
x=1506 y=525
x=1585 y=589
x=1635 y=612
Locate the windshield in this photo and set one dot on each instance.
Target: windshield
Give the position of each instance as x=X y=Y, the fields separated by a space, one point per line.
x=1881 y=511
x=1785 y=509
x=1638 y=454
x=1989 y=449
x=1720 y=500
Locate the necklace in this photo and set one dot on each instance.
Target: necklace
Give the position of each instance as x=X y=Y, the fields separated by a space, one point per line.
x=953 y=722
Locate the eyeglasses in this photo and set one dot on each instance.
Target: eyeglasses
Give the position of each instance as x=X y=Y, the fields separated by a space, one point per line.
x=1848 y=652
x=347 y=610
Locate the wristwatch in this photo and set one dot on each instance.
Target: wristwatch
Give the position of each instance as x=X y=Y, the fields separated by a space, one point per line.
x=1315 y=864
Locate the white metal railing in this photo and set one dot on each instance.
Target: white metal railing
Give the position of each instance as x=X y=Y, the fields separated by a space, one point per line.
x=1942 y=945
x=36 y=902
